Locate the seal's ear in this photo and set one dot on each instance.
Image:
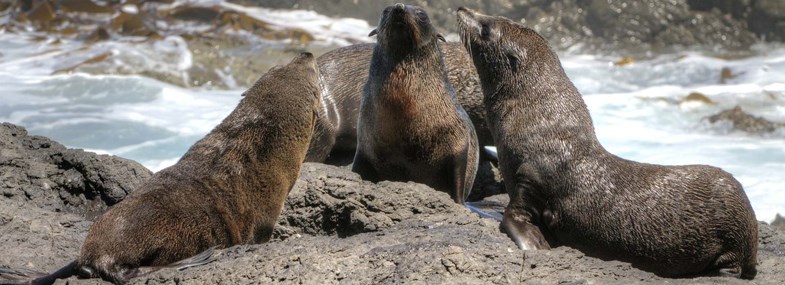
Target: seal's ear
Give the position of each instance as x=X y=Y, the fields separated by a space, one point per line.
x=372 y=33
x=440 y=37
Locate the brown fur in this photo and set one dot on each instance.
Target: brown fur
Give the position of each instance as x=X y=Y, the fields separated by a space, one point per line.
x=566 y=189
x=228 y=189
x=344 y=72
x=411 y=126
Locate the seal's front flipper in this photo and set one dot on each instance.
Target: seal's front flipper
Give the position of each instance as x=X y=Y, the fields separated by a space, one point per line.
x=525 y=234
x=728 y=265
x=361 y=165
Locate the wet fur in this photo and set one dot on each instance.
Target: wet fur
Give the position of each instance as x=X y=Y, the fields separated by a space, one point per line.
x=344 y=72
x=411 y=126
x=228 y=189
x=566 y=189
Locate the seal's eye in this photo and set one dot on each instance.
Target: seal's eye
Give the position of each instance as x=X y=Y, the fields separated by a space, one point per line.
x=512 y=59
x=421 y=14
x=386 y=11
x=485 y=32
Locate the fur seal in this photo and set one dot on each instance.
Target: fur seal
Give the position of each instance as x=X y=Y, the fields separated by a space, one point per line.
x=228 y=189
x=566 y=189
x=411 y=126
x=344 y=72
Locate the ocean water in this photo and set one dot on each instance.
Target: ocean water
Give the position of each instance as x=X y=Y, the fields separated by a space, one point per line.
x=637 y=108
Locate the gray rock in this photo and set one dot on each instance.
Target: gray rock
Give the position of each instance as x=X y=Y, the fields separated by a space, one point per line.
x=37 y=171
x=767 y=18
x=37 y=238
x=739 y=9
x=600 y=25
x=745 y=122
x=336 y=228
x=778 y=223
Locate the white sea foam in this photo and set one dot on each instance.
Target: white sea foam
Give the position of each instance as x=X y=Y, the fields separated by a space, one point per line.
x=342 y=31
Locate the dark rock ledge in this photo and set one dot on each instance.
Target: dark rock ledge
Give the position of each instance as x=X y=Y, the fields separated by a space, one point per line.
x=335 y=228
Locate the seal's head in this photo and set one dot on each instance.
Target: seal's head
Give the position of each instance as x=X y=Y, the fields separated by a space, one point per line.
x=305 y=66
x=501 y=49
x=405 y=27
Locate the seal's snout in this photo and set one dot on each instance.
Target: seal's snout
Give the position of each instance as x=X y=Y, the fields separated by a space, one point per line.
x=304 y=58
x=467 y=17
x=464 y=12
x=398 y=10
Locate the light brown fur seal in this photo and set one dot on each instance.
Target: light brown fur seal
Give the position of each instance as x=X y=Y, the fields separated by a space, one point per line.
x=228 y=189
x=411 y=126
x=566 y=189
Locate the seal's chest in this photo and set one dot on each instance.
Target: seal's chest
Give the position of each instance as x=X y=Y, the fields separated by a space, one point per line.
x=398 y=94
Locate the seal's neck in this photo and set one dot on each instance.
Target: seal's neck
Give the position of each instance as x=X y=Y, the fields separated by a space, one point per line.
x=539 y=100
x=425 y=55
x=424 y=60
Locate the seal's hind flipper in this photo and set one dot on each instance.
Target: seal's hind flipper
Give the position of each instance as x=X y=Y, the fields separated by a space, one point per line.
x=18 y=274
x=483 y=214
x=26 y=276
x=202 y=258
x=730 y=272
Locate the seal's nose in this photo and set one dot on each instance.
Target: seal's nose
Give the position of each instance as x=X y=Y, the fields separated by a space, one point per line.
x=464 y=10
x=465 y=15
x=400 y=6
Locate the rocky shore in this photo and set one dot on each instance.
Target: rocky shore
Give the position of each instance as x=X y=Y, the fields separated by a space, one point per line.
x=609 y=26
x=226 y=41
x=335 y=228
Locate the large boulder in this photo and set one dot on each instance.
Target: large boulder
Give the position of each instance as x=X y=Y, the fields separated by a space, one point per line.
x=36 y=171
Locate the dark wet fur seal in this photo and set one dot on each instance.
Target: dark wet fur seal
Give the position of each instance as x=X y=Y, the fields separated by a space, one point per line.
x=566 y=189
x=411 y=126
x=228 y=189
x=344 y=72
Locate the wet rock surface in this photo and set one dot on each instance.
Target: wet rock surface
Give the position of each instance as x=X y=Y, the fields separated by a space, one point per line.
x=336 y=228
x=745 y=122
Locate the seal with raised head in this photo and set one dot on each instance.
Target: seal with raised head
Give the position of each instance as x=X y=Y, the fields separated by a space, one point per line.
x=566 y=189
x=411 y=126
x=344 y=72
x=228 y=189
